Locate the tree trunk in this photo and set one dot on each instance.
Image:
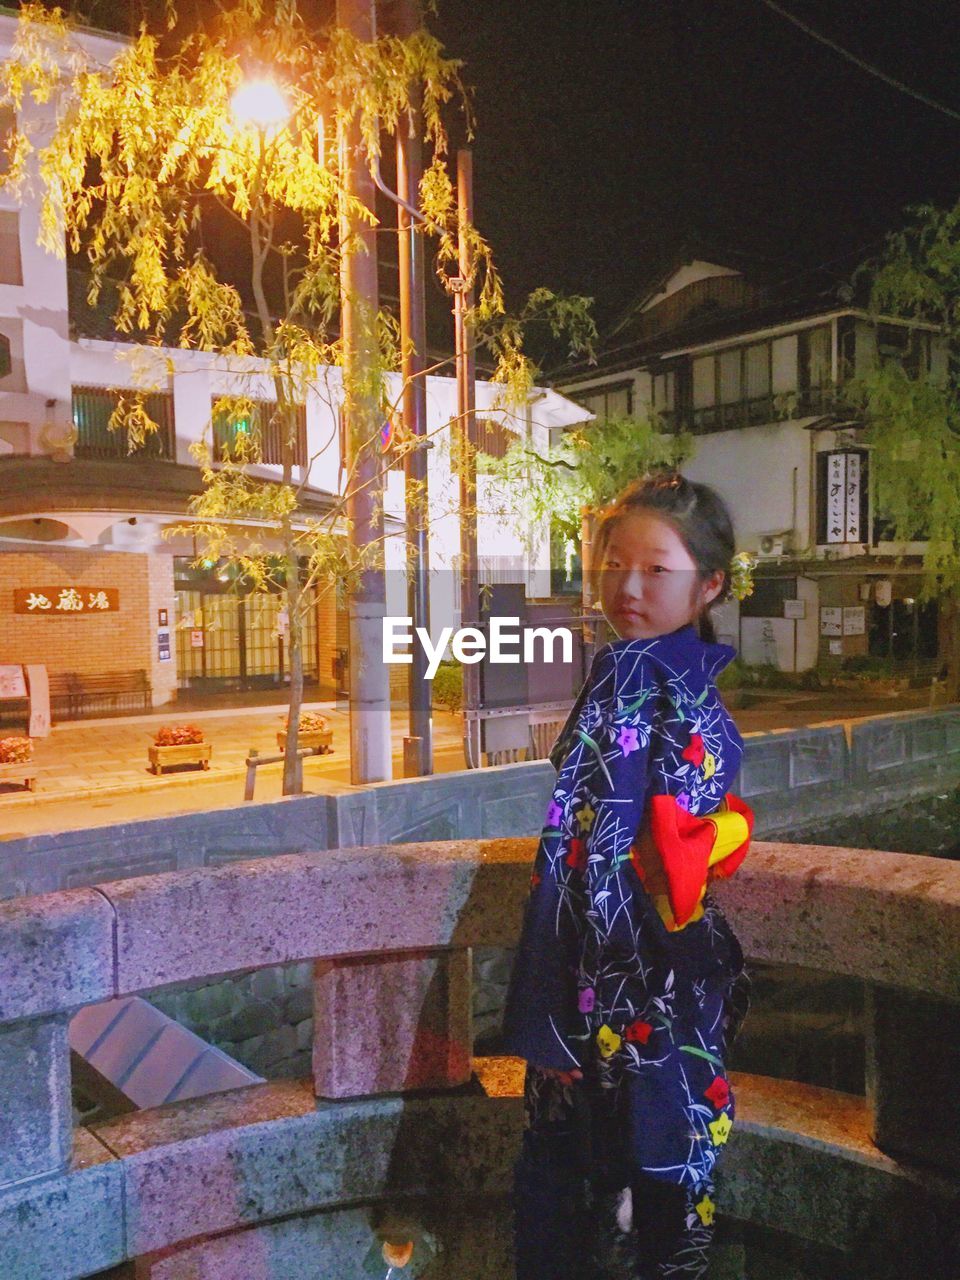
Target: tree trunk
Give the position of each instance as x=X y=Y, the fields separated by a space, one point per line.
x=292 y=764
x=952 y=602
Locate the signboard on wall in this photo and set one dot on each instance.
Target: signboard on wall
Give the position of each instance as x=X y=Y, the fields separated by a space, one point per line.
x=796 y=609
x=844 y=498
x=62 y=601
x=854 y=620
x=831 y=621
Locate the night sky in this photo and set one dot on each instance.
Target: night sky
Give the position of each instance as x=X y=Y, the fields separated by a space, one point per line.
x=614 y=134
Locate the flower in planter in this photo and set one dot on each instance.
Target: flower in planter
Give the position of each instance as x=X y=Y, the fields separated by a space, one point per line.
x=310 y=722
x=15 y=750
x=177 y=735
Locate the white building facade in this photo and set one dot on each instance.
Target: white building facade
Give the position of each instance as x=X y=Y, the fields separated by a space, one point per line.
x=758 y=384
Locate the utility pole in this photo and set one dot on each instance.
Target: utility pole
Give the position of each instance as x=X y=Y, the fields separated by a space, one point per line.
x=370 y=753
x=467 y=454
x=418 y=753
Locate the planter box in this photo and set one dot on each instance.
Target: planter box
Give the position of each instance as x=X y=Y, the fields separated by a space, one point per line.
x=322 y=738
x=183 y=753
x=20 y=773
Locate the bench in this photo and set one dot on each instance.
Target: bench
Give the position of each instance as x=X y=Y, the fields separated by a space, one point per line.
x=74 y=694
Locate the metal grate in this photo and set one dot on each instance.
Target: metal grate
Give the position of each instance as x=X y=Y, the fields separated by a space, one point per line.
x=266 y=424
x=92 y=407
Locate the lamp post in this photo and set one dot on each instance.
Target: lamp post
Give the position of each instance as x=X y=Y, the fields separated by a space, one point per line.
x=260 y=102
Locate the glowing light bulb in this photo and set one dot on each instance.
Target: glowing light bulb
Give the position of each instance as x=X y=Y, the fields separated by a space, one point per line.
x=260 y=103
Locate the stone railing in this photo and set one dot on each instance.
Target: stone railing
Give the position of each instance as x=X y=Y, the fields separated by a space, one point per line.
x=231 y=1184
x=793 y=780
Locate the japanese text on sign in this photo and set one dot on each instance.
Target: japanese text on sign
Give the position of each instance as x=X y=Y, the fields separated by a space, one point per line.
x=844 y=480
x=65 y=600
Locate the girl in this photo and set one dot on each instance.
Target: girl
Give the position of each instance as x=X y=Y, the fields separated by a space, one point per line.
x=628 y=984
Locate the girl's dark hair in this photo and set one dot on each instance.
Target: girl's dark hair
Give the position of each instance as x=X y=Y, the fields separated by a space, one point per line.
x=696 y=511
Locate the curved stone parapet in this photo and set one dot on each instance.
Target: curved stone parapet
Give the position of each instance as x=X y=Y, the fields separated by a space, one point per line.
x=187 y=1184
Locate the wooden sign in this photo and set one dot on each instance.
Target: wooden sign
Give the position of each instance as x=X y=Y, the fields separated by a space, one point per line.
x=62 y=601
x=39 y=699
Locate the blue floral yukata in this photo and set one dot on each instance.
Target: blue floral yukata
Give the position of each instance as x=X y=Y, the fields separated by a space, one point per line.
x=615 y=1176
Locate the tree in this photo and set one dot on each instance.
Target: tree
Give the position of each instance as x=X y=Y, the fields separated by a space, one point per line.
x=147 y=151
x=913 y=422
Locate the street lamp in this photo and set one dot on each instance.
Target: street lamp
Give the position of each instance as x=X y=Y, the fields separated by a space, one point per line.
x=260 y=103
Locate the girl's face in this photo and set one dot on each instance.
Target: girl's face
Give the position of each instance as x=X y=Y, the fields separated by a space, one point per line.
x=649 y=582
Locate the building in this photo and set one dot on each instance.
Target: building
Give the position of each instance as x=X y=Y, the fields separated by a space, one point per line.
x=93 y=580
x=755 y=372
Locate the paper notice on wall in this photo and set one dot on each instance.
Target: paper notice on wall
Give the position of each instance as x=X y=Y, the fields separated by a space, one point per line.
x=854 y=620
x=12 y=682
x=836 y=648
x=196 y=639
x=831 y=621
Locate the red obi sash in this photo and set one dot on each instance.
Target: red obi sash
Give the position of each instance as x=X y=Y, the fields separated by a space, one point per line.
x=676 y=850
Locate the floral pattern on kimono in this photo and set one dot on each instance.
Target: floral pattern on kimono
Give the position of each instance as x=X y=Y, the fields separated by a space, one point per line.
x=600 y=983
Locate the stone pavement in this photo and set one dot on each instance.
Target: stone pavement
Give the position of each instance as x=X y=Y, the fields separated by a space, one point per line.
x=93 y=772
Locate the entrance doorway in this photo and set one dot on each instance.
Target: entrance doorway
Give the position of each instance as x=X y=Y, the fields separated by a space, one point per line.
x=226 y=640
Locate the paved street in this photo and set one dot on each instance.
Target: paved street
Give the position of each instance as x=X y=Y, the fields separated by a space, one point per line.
x=95 y=772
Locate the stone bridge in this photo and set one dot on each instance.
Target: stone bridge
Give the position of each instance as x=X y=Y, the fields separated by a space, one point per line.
x=304 y=1177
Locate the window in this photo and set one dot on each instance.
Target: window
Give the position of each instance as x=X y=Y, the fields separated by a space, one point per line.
x=16 y=379
x=907 y=347
x=11 y=270
x=613 y=401
x=263 y=422
x=729 y=387
x=767 y=598
x=493 y=441
x=732 y=388
x=92 y=409
x=757 y=371
x=819 y=357
x=664 y=391
x=8 y=128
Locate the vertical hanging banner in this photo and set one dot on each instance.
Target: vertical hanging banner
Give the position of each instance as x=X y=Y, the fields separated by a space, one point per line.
x=844 y=488
x=836 y=497
x=853 y=533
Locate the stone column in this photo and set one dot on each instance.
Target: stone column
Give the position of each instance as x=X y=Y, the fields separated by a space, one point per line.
x=36 y=1117
x=392 y=1023
x=913 y=1075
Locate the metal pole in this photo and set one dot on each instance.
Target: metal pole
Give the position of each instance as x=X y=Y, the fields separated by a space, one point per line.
x=467 y=435
x=370 y=753
x=418 y=758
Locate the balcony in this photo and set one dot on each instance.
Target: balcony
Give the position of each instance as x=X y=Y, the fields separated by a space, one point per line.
x=755 y=412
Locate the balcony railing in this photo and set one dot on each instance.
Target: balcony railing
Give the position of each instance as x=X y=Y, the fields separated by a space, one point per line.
x=753 y=412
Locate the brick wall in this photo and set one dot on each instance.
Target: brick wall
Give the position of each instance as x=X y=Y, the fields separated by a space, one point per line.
x=122 y=641
x=326 y=640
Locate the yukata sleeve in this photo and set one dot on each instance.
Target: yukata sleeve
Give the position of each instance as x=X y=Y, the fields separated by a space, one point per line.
x=594 y=811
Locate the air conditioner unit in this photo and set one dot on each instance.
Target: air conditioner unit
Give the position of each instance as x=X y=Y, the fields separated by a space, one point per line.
x=773 y=546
